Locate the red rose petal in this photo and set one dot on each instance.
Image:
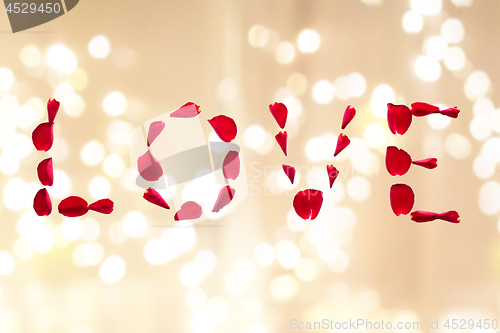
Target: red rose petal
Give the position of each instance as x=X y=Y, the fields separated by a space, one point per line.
x=188 y=110
x=225 y=127
x=342 y=142
x=281 y=138
x=289 y=172
x=450 y=216
x=279 y=112
x=149 y=167
x=155 y=198
x=399 y=118
x=349 y=114
x=73 y=206
x=103 y=206
x=428 y=163
x=231 y=165
x=46 y=172
x=42 y=203
x=333 y=173
x=423 y=216
x=402 y=199
x=226 y=194
x=450 y=112
x=190 y=210
x=43 y=136
x=420 y=109
x=52 y=108
x=307 y=203
x=397 y=161
x=155 y=129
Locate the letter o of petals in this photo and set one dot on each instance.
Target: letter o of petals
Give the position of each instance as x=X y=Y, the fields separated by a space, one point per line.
x=307 y=203
x=402 y=199
x=73 y=206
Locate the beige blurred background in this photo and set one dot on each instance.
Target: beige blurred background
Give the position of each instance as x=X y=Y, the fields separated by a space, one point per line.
x=116 y=64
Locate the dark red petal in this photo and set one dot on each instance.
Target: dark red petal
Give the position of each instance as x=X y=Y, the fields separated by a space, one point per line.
x=397 y=161
x=307 y=203
x=46 y=172
x=450 y=216
x=225 y=127
x=402 y=199
x=281 y=138
x=428 y=163
x=52 y=108
x=451 y=112
x=423 y=216
x=149 y=167
x=155 y=129
x=43 y=136
x=190 y=210
x=333 y=173
x=104 y=206
x=289 y=172
x=188 y=110
x=231 y=165
x=226 y=194
x=279 y=112
x=42 y=203
x=342 y=142
x=155 y=198
x=399 y=118
x=420 y=109
x=73 y=206
x=349 y=114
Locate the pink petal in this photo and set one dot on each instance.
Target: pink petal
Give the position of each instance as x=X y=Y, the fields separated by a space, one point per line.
x=281 y=138
x=52 y=108
x=279 y=112
x=103 y=206
x=226 y=195
x=225 y=127
x=402 y=199
x=190 y=210
x=289 y=172
x=231 y=165
x=428 y=163
x=155 y=198
x=42 y=203
x=333 y=173
x=188 y=110
x=399 y=118
x=155 y=129
x=349 y=114
x=45 y=172
x=397 y=161
x=73 y=206
x=420 y=109
x=43 y=136
x=149 y=167
x=307 y=203
x=342 y=142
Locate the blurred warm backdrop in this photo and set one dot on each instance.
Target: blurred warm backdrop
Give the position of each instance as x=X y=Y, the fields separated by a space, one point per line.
x=116 y=64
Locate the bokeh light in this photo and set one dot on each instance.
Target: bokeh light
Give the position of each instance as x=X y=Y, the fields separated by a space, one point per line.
x=112 y=269
x=382 y=94
x=308 y=41
x=285 y=53
x=412 y=22
x=427 y=68
x=62 y=59
x=452 y=31
x=114 y=104
x=323 y=92
x=99 y=47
